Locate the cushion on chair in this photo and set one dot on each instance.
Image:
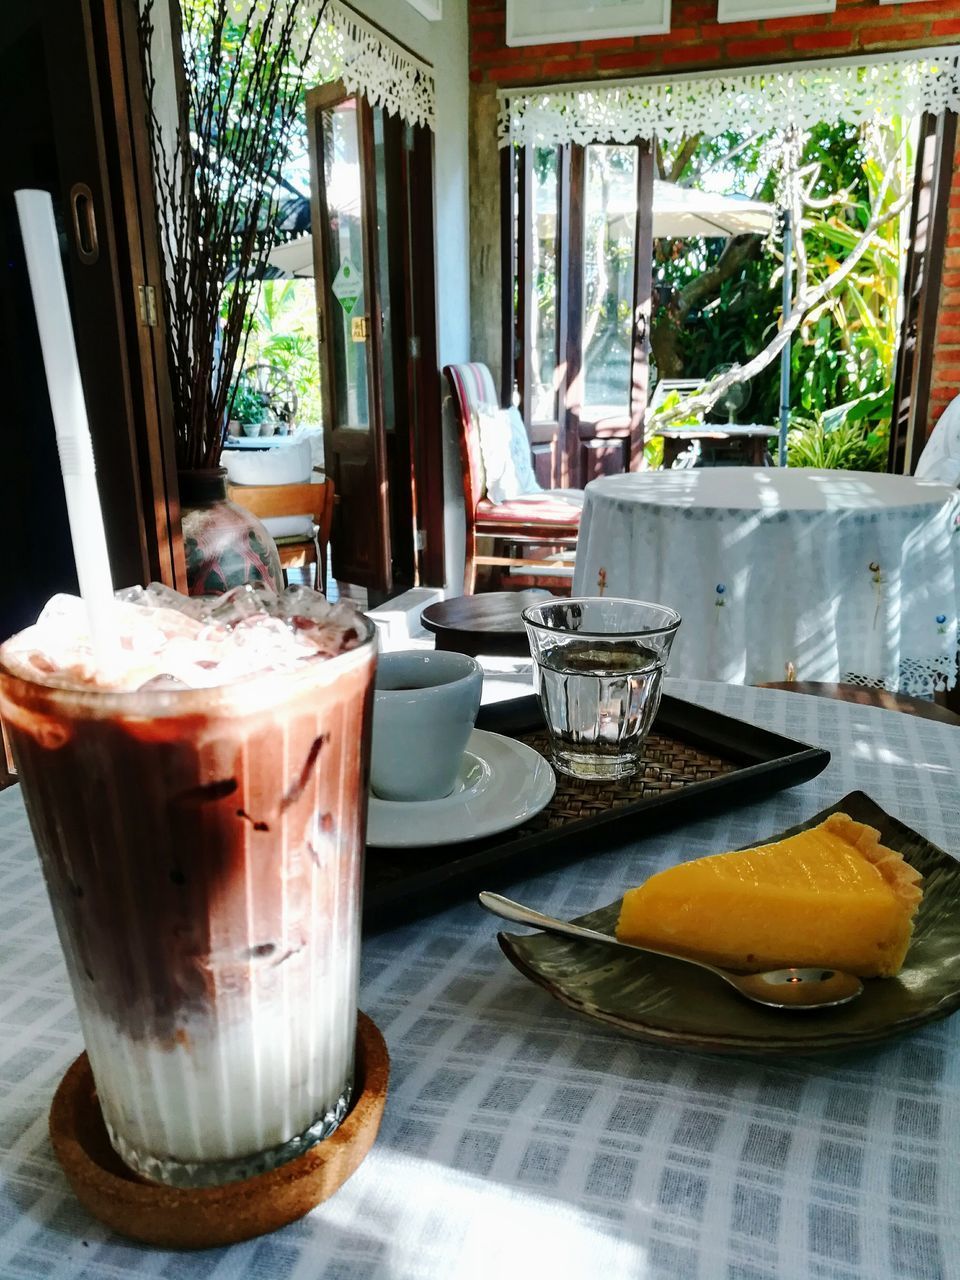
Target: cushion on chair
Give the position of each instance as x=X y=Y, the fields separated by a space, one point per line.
x=284 y=544
x=940 y=460
x=506 y=453
x=473 y=386
x=289 y=527
x=572 y=496
x=539 y=509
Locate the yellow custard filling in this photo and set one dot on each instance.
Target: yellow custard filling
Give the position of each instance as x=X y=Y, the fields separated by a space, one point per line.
x=832 y=896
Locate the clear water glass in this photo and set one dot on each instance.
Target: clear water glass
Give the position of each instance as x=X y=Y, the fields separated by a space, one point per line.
x=599 y=666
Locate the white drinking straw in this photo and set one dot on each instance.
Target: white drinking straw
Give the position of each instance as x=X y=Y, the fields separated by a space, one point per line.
x=42 y=248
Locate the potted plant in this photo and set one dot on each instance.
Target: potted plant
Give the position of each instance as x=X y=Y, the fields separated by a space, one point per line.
x=248 y=409
x=216 y=168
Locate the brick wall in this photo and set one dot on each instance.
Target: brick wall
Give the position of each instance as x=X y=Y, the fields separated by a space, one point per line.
x=697 y=42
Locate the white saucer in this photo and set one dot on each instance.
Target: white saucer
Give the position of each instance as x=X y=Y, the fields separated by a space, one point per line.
x=501 y=783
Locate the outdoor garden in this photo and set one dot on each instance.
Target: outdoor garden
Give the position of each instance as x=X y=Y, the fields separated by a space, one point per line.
x=282 y=336
x=717 y=302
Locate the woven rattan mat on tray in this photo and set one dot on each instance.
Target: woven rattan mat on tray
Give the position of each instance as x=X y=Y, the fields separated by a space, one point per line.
x=667 y=765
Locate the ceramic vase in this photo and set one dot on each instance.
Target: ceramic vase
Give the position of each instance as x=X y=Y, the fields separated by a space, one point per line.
x=224 y=545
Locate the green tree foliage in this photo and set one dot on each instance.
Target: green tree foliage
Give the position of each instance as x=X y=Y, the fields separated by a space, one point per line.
x=846 y=348
x=283 y=333
x=853 y=437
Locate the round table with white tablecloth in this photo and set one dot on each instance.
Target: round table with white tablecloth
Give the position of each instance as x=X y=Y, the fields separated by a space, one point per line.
x=821 y=575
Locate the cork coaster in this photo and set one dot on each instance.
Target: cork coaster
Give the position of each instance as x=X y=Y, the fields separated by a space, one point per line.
x=181 y=1218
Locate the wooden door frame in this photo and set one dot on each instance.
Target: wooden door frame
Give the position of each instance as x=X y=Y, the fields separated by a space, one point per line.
x=424 y=391
x=929 y=220
x=572 y=249
x=374 y=343
x=508 y=272
x=82 y=162
x=403 y=504
x=322 y=98
x=573 y=436
x=134 y=179
x=135 y=453
x=326 y=95
x=547 y=435
x=565 y=219
x=523 y=369
x=642 y=303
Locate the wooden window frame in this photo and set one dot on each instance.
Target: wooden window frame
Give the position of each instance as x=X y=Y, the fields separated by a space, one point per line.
x=570 y=434
x=929 y=220
x=409 y=546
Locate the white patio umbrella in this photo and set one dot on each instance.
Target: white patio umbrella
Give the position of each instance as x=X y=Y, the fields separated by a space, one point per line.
x=295 y=258
x=677 y=212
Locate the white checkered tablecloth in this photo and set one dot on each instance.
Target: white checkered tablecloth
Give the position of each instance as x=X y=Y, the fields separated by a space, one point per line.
x=522 y=1141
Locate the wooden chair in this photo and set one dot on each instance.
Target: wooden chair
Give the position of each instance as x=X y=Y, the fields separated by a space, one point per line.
x=547 y=521
x=270 y=501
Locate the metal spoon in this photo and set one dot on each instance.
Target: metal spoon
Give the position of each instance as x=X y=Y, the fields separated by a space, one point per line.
x=812 y=988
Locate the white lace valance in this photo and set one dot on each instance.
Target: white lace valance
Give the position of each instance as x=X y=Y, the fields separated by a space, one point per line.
x=365 y=59
x=759 y=100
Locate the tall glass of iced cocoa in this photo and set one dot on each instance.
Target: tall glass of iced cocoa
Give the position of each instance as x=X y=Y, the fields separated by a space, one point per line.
x=199 y=814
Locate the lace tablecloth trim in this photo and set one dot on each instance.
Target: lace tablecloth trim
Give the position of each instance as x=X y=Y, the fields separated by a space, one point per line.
x=918 y=678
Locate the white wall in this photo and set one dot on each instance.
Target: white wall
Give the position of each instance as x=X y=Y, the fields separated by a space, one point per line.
x=444 y=44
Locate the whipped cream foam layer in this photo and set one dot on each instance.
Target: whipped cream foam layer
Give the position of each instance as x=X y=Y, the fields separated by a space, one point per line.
x=165 y=640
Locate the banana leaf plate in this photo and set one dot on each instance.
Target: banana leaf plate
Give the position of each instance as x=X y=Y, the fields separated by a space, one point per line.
x=671 y=1003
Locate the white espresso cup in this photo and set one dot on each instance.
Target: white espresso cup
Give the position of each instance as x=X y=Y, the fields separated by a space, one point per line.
x=425 y=705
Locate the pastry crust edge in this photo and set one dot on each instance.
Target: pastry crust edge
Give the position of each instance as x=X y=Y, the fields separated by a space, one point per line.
x=904 y=880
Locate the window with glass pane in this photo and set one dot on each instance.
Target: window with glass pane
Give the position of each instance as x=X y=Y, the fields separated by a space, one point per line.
x=514 y=284
x=610 y=217
x=341 y=174
x=543 y=284
x=383 y=268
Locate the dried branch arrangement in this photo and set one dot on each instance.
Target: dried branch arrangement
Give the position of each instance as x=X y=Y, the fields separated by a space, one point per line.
x=216 y=168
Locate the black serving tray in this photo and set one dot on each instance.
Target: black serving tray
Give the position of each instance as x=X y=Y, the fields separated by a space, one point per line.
x=696 y=762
